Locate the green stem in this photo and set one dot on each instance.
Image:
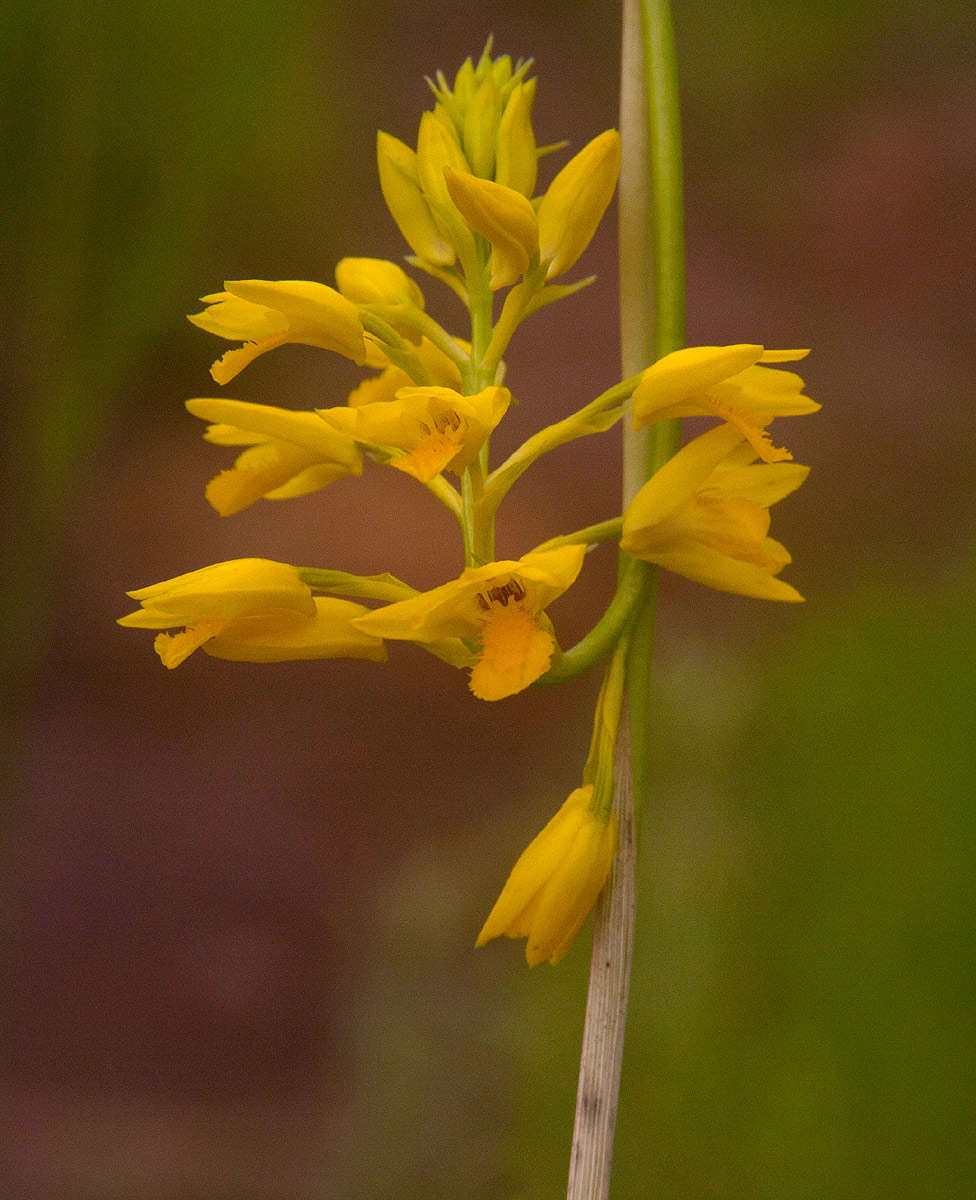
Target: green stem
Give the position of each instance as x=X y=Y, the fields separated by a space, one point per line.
x=417 y=319
x=652 y=323
x=477 y=521
x=384 y=587
x=664 y=240
x=596 y=417
x=591 y=535
x=396 y=348
x=608 y=631
x=599 y=769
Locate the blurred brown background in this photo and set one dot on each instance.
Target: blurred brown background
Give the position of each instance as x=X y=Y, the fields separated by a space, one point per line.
x=241 y=899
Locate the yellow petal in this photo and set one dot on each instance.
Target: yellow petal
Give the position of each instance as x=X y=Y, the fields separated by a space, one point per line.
x=317 y=315
x=428 y=459
x=453 y=609
x=376 y=281
x=565 y=902
x=239 y=320
x=222 y=591
x=436 y=427
x=328 y=633
x=715 y=570
x=480 y=127
x=270 y=470
x=501 y=215
x=312 y=479
x=778 y=356
x=766 y=485
x=678 y=480
x=575 y=201
x=400 y=185
x=516 y=159
x=685 y=374
x=232 y=362
x=303 y=429
x=556 y=881
x=763 y=390
x=437 y=148
x=534 y=866
x=704 y=515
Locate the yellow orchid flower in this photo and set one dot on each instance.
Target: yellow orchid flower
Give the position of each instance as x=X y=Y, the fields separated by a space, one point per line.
x=289 y=453
x=250 y=610
x=726 y=382
x=556 y=880
x=575 y=201
x=265 y=314
x=501 y=604
x=705 y=515
x=437 y=428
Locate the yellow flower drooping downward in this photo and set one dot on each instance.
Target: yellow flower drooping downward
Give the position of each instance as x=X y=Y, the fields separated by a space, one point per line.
x=288 y=453
x=726 y=382
x=436 y=428
x=705 y=515
x=556 y=880
x=264 y=314
x=250 y=610
x=501 y=604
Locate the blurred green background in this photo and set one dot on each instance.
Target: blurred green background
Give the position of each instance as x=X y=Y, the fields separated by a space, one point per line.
x=242 y=899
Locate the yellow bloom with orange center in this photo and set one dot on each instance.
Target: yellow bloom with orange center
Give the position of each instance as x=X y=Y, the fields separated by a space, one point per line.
x=726 y=382
x=435 y=428
x=264 y=315
x=501 y=605
x=288 y=453
x=250 y=610
x=705 y=515
x=556 y=880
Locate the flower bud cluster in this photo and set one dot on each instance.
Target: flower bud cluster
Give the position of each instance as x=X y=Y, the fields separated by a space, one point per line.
x=473 y=174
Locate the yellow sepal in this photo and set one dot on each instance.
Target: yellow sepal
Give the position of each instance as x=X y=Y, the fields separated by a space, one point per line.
x=575 y=201
x=400 y=184
x=503 y=216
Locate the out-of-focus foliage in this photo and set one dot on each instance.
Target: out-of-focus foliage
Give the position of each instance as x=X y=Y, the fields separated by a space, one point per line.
x=802 y=1016
x=128 y=132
